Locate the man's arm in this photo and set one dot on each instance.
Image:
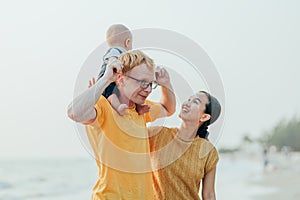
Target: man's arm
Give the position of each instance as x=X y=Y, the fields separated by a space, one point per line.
x=168 y=100
x=82 y=108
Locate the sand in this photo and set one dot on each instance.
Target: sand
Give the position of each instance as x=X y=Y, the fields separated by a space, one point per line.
x=284 y=178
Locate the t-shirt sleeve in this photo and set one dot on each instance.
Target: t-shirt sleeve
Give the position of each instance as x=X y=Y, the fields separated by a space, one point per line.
x=101 y=109
x=155 y=111
x=212 y=160
x=93 y=130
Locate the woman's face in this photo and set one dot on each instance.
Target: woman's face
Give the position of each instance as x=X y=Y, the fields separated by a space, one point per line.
x=194 y=108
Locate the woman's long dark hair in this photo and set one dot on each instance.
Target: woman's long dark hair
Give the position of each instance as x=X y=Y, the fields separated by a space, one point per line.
x=214 y=112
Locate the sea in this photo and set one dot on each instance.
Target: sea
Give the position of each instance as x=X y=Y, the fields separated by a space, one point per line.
x=74 y=178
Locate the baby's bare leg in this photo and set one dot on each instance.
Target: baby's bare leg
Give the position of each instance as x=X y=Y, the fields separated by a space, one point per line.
x=142 y=109
x=116 y=104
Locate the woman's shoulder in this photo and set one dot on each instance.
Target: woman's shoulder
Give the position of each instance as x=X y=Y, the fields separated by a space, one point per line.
x=206 y=147
x=160 y=130
x=203 y=141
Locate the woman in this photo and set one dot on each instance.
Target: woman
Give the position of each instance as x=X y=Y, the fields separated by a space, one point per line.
x=183 y=157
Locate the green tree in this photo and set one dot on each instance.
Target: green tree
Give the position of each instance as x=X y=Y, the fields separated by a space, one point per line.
x=285 y=133
x=247 y=139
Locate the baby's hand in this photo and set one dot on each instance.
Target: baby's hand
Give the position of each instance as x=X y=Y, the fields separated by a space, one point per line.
x=92 y=82
x=142 y=109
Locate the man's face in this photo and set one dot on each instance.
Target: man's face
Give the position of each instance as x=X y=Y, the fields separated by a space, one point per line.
x=131 y=88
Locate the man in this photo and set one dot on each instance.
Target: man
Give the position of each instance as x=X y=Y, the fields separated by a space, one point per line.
x=120 y=143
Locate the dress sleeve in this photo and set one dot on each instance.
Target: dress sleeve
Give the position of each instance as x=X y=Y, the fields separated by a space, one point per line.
x=212 y=160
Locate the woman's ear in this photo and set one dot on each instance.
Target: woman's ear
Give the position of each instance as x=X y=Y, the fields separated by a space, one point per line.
x=205 y=117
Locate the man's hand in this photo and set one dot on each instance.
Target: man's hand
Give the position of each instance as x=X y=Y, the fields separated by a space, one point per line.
x=162 y=76
x=167 y=100
x=113 y=68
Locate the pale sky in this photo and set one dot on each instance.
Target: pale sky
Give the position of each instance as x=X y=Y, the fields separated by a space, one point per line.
x=43 y=44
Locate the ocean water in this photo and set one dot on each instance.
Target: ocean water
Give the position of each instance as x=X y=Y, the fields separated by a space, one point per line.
x=41 y=179
x=238 y=175
x=73 y=179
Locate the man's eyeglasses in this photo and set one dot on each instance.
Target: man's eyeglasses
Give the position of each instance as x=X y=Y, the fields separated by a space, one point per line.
x=145 y=84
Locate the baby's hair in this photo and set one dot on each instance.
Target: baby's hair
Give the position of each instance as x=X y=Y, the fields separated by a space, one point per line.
x=117 y=34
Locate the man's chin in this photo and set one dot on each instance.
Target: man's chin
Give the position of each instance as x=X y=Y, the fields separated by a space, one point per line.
x=141 y=99
x=140 y=102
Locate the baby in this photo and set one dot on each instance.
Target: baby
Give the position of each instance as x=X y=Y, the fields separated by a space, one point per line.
x=119 y=40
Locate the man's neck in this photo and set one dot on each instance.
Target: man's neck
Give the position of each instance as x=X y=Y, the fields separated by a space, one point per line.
x=124 y=100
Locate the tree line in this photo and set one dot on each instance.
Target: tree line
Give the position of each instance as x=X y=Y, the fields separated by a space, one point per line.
x=284 y=134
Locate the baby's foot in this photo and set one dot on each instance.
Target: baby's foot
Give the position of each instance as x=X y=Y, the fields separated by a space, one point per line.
x=142 y=109
x=122 y=109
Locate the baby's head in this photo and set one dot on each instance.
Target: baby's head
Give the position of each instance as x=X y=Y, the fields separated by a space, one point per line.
x=119 y=35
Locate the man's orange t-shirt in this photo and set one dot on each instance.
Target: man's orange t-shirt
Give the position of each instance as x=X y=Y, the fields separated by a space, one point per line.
x=121 y=148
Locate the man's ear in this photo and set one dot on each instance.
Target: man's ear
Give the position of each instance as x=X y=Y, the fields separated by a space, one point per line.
x=205 y=117
x=120 y=80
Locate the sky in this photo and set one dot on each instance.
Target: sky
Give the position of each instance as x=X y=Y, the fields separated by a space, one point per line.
x=254 y=46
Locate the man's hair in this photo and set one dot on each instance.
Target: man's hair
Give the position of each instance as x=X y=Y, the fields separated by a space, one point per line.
x=117 y=34
x=133 y=58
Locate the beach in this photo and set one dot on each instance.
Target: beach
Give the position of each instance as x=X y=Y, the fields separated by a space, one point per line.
x=242 y=175
x=239 y=176
x=284 y=179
